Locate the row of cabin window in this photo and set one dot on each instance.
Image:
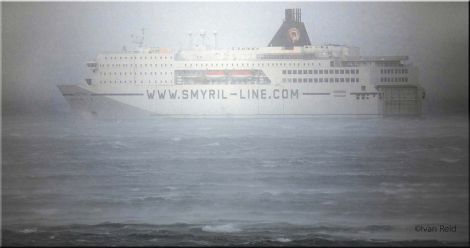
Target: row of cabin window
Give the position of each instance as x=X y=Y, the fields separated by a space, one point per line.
x=393 y=80
x=364 y=96
x=390 y=71
x=134 y=81
x=140 y=57
x=248 y=64
x=134 y=73
x=320 y=80
x=325 y=71
x=135 y=65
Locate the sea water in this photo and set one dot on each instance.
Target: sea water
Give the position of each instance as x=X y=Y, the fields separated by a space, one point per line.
x=234 y=181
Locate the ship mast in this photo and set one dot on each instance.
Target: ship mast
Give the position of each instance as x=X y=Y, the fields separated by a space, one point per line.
x=139 y=40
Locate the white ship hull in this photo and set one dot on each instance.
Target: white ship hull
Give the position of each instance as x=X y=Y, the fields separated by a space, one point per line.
x=223 y=100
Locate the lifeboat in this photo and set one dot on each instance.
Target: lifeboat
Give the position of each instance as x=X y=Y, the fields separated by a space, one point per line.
x=215 y=74
x=241 y=74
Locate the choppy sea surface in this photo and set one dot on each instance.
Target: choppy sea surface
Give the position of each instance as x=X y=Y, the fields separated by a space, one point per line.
x=235 y=181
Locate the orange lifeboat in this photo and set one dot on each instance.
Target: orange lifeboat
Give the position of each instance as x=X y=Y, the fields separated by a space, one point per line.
x=215 y=74
x=241 y=74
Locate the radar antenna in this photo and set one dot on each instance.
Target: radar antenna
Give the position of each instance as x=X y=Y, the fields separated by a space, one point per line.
x=139 y=40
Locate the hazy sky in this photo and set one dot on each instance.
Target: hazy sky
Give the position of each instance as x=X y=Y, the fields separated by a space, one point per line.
x=47 y=44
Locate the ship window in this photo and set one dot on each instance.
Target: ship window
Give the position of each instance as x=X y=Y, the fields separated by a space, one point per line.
x=331 y=80
x=325 y=71
x=357 y=80
x=321 y=71
x=353 y=80
x=283 y=71
x=284 y=80
x=289 y=80
x=331 y=71
x=336 y=80
x=342 y=80
x=295 y=80
x=315 y=72
x=305 y=80
x=357 y=71
x=310 y=71
x=315 y=80
x=336 y=71
x=294 y=71
x=305 y=71
x=310 y=80
x=341 y=71
x=347 y=71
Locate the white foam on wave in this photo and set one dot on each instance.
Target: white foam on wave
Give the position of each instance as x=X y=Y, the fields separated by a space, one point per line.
x=229 y=228
x=213 y=144
x=29 y=230
x=450 y=160
x=119 y=144
x=283 y=240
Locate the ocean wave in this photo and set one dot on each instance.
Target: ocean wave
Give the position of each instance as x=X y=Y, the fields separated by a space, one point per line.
x=450 y=160
x=226 y=228
x=283 y=240
x=28 y=230
x=234 y=234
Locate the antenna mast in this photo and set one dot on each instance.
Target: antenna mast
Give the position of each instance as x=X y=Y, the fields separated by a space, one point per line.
x=139 y=40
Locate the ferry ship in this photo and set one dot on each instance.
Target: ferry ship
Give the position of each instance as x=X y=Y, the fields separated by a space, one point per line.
x=288 y=77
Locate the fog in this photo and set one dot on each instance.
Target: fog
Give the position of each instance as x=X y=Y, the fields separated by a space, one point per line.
x=312 y=180
x=47 y=44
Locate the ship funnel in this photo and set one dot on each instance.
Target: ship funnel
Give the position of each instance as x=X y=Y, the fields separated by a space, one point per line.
x=292 y=31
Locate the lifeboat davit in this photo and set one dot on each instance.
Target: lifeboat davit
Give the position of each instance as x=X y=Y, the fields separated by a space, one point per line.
x=241 y=74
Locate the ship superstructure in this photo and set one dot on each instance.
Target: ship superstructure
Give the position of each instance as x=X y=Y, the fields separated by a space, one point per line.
x=288 y=77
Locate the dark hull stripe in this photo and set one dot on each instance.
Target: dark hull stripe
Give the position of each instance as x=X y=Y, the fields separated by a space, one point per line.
x=117 y=94
x=105 y=94
x=315 y=94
